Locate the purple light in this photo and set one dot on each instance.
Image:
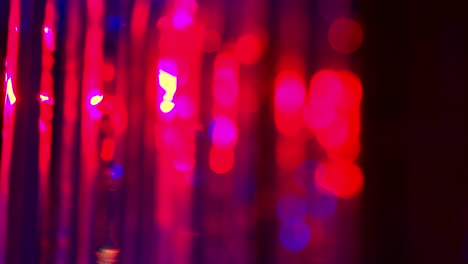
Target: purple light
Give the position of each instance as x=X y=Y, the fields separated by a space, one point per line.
x=291 y=207
x=304 y=175
x=116 y=171
x=294 y=235
x=182 y=20
x=321 y=203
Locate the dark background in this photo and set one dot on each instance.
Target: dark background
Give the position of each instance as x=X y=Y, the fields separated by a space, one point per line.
x=415 y=131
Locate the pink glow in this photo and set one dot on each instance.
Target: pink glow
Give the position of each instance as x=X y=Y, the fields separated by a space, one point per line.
x=182 y=20
x=185 y=107
x=290 y=92
x=225 y=88
x=49 y=38
x=224 y=132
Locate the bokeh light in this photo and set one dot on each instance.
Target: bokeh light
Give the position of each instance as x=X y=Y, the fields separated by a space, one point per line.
x=291 y=207
x=325 y=94
x=221 y=161
x=107 y=149
x=345 y=35
x=224 y=132
x=335 y=134
x=116 y=171
x=225 y=88
x=185 y=107
x=321 y=203
x=249 y=49
x=342 y=178
x=304 y=175
x=182 y=20
x=352 y=90
x=294 y=235
x=290 y=92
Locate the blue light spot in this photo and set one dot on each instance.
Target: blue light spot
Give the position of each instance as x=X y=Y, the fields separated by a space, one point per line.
x=116 y=171
x=304 y=175
x=115 y=22
x=294 y=235
x=291 y=207
x=321 y=203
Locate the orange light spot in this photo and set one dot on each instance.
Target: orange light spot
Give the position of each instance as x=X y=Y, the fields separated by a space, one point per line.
x=342 y=178
x=345 y=35
x=221 y=161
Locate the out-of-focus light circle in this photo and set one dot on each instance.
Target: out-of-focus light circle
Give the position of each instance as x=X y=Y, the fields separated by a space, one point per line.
x=348 y=151
x=345 y=35
x=225 y=88
x=321 y=203
x=249 y=49
x=352 y=90
x=288 y=124
x=185 y=107
x=335 y=134
x=289 y=153
x=326 y=85
x=318 y=113
x=291 y=207
x=116 y=171
x=304 y=175
x=342 y=178
x=96 y=99
x=224 y=132
x=184 y=165
x=290 y=92
x=182 y=20
x=107 y=149
x=294 y=235
x=221 y=161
